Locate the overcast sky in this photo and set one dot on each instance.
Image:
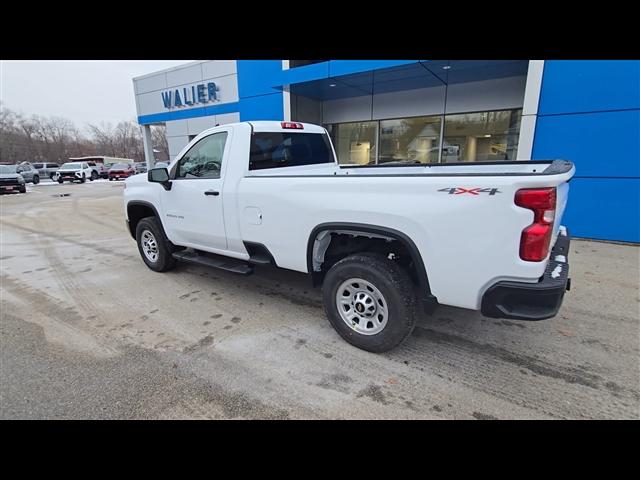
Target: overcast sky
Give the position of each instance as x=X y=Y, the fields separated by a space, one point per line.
x=82 y=91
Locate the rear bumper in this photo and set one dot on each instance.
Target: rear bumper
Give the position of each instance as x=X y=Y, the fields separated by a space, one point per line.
x=533 y=301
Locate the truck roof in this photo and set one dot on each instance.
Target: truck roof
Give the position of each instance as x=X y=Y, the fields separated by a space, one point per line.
x=275 y=126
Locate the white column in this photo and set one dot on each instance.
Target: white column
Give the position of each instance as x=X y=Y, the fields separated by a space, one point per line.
x=530 y=109
x=286 y=97
x=472 y=148
x=147 y=142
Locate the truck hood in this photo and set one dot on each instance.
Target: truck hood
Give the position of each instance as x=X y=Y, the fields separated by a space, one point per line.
x=10 y=176
x=136 y=179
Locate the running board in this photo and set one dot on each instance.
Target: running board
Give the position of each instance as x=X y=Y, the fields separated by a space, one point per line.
x=223 y=263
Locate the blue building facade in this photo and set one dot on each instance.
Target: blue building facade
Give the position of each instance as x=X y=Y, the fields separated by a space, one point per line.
x=439 y=111
x=589 y=112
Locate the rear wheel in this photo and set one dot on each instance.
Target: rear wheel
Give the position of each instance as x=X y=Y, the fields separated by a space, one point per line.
x=154 y=246
x=36 y=179
x=370 y=301
x=94 y=175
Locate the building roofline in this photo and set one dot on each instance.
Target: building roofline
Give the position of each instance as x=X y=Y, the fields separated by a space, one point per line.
x=170 y=69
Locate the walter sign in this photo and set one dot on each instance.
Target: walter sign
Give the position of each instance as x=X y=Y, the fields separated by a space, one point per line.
x=201 y=93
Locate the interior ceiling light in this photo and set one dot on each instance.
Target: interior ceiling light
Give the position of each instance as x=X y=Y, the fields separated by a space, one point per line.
x=332 y=84
x=446 y=67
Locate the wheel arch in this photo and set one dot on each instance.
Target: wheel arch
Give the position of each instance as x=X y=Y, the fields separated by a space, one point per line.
x=368 y=230
x=136 y=211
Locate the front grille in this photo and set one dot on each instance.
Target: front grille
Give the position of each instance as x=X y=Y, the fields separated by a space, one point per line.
x=9 y=181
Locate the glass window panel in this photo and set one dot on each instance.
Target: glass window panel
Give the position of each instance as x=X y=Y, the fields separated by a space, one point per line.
x=355 y=143
x=483 y=136
x=410 y=140
x=204 y=159
x=288 y=149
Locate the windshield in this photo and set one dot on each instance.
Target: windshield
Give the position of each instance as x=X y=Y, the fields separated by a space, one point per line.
x=7 y=169
x=123 y=166
x=72 y=166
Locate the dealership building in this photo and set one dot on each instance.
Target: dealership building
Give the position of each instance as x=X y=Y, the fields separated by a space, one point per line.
x=428 y=111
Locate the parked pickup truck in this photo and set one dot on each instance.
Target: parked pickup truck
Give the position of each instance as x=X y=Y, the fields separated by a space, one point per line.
x=385 y=242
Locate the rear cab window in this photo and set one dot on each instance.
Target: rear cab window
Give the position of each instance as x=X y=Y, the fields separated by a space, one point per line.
x=289 y=149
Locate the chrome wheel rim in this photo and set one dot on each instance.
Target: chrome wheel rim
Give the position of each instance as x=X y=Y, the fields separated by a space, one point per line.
x=362 y=306
x=149 y=245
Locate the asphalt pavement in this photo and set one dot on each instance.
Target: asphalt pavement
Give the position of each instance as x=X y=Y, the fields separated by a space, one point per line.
x=88 y=331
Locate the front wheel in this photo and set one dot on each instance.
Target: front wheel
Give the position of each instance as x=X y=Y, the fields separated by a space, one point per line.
x=370 y=301
x=154 y=246
x=83 y=179
x=36 y=179
x=60 y=180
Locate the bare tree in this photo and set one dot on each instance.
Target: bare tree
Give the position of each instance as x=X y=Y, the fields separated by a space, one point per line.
x=55 y=139
x=160 y=143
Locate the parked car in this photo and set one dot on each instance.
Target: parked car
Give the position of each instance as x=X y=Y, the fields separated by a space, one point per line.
x=11 y=180
x=121 y=170
x=141 y=167
x=74 y=171
x=46 y=169
x=385 y=242
x=100 y=170
x=28 y=172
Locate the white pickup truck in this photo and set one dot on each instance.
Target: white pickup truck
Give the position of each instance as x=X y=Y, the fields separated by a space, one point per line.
x=386 y=242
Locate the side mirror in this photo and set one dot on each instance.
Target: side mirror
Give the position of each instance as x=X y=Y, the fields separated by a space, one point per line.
x=161 y=176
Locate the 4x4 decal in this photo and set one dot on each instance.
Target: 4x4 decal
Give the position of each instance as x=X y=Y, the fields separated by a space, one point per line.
x=470 y=191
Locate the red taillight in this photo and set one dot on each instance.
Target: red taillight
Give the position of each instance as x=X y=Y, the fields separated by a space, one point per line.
x=294 y=125
x=535 y=239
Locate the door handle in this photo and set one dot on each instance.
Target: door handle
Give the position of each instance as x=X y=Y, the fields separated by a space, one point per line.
x=215 y=193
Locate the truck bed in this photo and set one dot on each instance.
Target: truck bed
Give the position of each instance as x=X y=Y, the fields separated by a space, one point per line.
x=475 y=169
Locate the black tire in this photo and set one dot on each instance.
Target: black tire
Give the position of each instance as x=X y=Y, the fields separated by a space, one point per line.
x=111 y=179
x=165 y=260
x=395 y=286
x=84 y=178
x=60 y=180
x=36 y=179
x=94 y=175
x=23 y=189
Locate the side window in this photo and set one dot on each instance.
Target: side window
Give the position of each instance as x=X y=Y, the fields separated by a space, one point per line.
x=84 y=165
x=204 y=159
